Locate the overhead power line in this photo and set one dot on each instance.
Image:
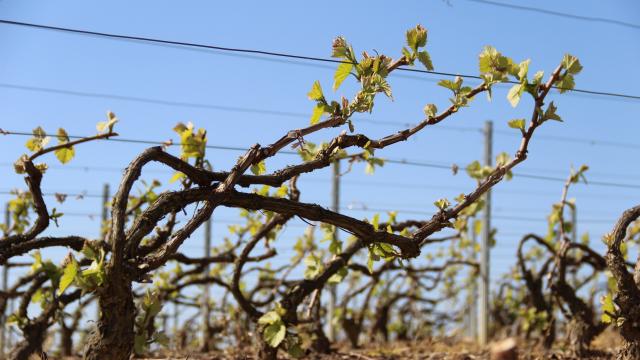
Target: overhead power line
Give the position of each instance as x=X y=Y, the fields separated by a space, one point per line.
x=144 y=142
x=586 y=141
x=501 y=217
x=349 y=205
x=560 y=14
x=268 y=53
x=346 y=207
x=240 y=109
x=388 y=160
x=597 y=183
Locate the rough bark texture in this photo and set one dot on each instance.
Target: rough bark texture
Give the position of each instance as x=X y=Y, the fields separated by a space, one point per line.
x=113 y=336
x=321 y=344
x=535 y=286
x=628 y=296
x=381 y=323
x=582 y=327
x=352 y=330
x=579 y=336
x=32 y=342
x=266 y=352
x=66 y=341
x=631 y=334
x=629 y=351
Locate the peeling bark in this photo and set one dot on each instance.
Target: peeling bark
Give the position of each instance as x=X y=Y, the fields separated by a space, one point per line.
x=113 y=335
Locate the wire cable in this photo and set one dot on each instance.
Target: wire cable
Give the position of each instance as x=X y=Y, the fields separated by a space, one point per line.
x=559 y=14
x=345 y=208
x=586 y=141
x=271 y=53
x=388 y=160
x=195 y=105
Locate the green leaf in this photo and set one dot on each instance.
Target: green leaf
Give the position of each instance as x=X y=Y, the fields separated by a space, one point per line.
x=384 y=250
x=64 y=154
x=607 y=307
x=63 y=137
x=180 y=128
x=430 y=110
x=268 y=318
x=406 y=53
x=517 y=124
x=537 y=77
x=550 y=113
x=425 y=59
x=340 y=49
x=316 y=91
x=154 y=307
x=375 y=221
x=177 y=177
x=502 y=159
x=442 y=203
x=282 y=191
x=38 y=296
x=495 y=65
x=295 y=351
x=342 y=72
x=335 y=247
x=477 y=229
x=259 y=168
x=38 y=141
x=162 y=339
x=89 y=252
x=392 y=216
x=370 y=261
x=107 y=125
x=70 y=272
x=318 y=110
x=274 y=334
x=192 y=143
x=139 y=344
x=92 y=270
x=371 y=163
x=314 y=267
x=571 y=64
x=474 y=170
x=523 y=69
x=514 y=94
x=39 y=132
x=566 y=83
x=338 y=276
x=376 y=84
x=417 y=37
x=451 y=85
x=486 y=59
x=19 y=166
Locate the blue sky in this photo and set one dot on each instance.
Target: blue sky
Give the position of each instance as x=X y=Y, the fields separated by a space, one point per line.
x=458 y=29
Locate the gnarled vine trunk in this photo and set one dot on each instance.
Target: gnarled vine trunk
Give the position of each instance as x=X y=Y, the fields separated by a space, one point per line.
x=113 y=336
x=630 y=350
x=352 y=330
x=66 y=340
x=266 y=352
x=627 y=297
x=579 y=336
x=34 y=336
x=321 y=343
x=630 y=332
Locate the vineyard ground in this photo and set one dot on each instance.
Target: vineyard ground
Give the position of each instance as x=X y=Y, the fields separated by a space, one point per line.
x=442 y=349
